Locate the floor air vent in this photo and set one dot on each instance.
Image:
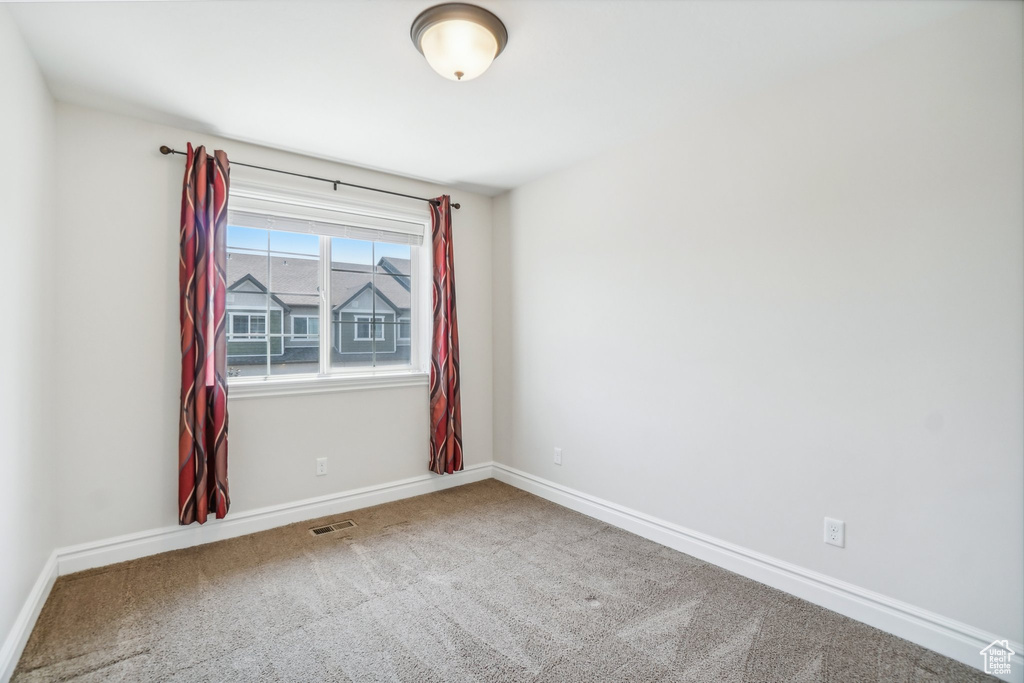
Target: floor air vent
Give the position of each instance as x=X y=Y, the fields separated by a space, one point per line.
x=337 y=526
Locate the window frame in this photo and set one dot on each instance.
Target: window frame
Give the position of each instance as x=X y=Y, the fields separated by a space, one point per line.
x=295 y=336
x=249 y=314
x=416 y=372
x=377 y=321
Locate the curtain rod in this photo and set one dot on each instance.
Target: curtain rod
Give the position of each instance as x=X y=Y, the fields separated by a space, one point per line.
x=165 y=150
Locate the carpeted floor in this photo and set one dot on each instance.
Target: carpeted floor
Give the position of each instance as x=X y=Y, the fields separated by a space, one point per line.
x=478 y=583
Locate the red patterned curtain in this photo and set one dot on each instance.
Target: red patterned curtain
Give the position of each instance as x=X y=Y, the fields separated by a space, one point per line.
x=445 y=407
x=203 y=427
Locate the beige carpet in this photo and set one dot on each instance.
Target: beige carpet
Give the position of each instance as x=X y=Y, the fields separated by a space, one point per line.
x=478 y=583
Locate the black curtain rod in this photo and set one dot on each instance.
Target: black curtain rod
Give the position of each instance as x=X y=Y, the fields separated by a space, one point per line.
x=164 y=149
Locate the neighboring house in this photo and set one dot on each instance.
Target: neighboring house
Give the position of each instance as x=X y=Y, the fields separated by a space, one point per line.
x=370 y=311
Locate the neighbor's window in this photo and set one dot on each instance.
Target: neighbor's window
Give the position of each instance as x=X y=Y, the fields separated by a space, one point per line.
x=247 y=326
x=310 y=296
x=365 y=329
x=305 y=327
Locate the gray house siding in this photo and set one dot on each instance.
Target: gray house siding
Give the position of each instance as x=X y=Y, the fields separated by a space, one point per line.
x=346 y=326
x=349 y=326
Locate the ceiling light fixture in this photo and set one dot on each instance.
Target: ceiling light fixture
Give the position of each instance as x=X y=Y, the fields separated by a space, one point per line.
x=458 y=40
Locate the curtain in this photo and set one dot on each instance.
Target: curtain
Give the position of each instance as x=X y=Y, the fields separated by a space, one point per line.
x=445 y=407
x=203 y=426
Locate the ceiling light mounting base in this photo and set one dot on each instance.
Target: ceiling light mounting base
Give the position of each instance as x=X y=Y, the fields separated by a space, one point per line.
x=458 y=40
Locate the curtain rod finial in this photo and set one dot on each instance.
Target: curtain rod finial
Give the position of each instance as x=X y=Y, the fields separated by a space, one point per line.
x=456 y=206
x=165 y=150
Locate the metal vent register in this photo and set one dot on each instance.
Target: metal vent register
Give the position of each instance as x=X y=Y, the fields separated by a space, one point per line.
x=330 y=528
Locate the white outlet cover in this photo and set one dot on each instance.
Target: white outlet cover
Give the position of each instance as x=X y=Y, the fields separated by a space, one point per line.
x=321 y=466
x=835 y=532
x=558 y=456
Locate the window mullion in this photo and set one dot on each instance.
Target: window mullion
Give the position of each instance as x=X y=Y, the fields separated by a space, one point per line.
x=270 y=285
x=373 y=305
x=326 y=329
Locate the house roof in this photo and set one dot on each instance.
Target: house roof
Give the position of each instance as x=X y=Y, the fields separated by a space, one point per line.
x=396 y=266
x=248 y=278
x=294 y=280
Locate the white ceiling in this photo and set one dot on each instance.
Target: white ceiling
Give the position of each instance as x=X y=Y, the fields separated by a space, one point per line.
x=342 y=80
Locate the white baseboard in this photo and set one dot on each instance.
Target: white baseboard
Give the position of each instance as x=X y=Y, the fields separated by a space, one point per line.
x=132 y=546
x=17 y=637
x=948 y=637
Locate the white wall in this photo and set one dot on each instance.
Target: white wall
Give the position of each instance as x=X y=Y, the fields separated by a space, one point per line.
x=809 y=304
x=26 y=227
x=118 y=206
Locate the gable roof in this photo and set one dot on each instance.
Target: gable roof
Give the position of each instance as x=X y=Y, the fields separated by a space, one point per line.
x=248 y=278
x=399 y=267
x=362 y=289
x=294 y=281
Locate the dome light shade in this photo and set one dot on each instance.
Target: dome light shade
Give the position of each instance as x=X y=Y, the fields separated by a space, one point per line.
x=459 y=41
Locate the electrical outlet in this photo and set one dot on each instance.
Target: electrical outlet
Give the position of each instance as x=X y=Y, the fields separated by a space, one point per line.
x=835 y=532
x=558 y=456
x=321 y=467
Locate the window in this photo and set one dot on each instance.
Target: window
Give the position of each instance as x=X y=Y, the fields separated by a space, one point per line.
x=363 y=327
x=247 y=326
x=305 y=327
x=318 y=291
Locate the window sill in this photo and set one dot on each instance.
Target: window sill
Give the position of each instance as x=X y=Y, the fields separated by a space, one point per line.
x=294 y=386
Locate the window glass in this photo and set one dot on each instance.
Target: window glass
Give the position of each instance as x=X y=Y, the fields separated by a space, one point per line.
x=371 y=290
x=272 y=280
x=305 y=326
x=278 y=293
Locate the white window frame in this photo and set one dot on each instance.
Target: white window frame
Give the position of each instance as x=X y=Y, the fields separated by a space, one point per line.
x=247 y=336
x=377 y=321
x=307 y=336
x=347 y=379
x=407 y=321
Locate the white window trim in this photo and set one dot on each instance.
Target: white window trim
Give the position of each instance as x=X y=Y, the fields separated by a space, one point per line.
x=247 y=337
x=377 y=322
x=342 y=199
x=292 y=385
x=404 y=320
x=415 y=373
